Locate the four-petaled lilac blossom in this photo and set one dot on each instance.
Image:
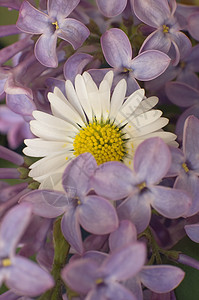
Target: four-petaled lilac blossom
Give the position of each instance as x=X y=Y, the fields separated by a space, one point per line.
x=20 y=274
x=159 y=14
x=104 y=282
x=140 y=188
x=51 y=26
x=94 y=213
x=118 y=53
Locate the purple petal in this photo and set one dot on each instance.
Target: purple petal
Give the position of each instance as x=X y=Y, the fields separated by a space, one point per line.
x=113 y=180
x=82 y=167
x=152 y=160
x=61 y=8
x=193 y=232
x=193 y=59
x=73 y=31
x=97 y=215
x=193 y=23
x=75 y=65
x=136 y=209
x=161 y=279
x=151 y=12
x=13 y=226
x=149 y=64
x=116 y=291
x=27 y=278
x=11 y=156
x=71 y=230
x=82 y=271
x=191 y=142
x=20 y=103
x=171 y=203
x=177 y=160
x=131 y=257
x=116 y=48
x=45 y=49
x=157 y=40
x=111 y=8
x=125 y=234
x=183 y=43
x=182 y=94
x=46 y=204
x=190 y=184
x=31 y=20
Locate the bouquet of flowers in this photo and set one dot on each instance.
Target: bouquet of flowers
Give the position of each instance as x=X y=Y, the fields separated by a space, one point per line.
x=99 y=197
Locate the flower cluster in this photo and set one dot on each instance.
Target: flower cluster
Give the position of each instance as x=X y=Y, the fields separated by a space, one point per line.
x=98 y=200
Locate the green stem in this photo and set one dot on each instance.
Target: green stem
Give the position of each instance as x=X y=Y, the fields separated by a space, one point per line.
x=61 y=250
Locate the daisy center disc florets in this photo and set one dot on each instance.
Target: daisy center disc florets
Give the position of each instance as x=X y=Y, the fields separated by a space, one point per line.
x=103 y=140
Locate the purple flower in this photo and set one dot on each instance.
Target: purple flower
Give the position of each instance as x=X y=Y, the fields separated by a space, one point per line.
x=95 y=214
x=139 y=188
x=159 y=14
x=20 y=274
x=51 y=26
x=101 y=282
x=118 y=53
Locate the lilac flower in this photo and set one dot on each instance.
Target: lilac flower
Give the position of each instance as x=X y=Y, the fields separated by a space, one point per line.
x=95 y=214
x=21 y=275
x=193 y=23
x=159 y=14
x=185 y=163
x=51 y=26
x=101 y=282
x=151 y=163
x=118 y=53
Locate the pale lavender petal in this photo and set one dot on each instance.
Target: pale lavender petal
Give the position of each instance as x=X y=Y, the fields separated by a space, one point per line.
x=113 y=180
x=131 y=257
x=151 y=12
x=71 y=230
x=152 y=160
x=137 y=210
x=190 y=184
x=177 y=160
x=61 y=8
x=31 y=20
x=13 y=227
x=27 y=278
x=149 y=64
x=171 y=203
x=97 y=215
x=182 y=94
x=161 y=279
x=11 y=156
x=20 y=103
x=97 y=242
x=73 y=31
x=193 y=59
x=191 y=142
x=193 y=232
x=46 y=204
x=134 y=285
x=157 y=40
x=183 y=43
x=45 y=49
x=75 y=65
x=193 y=23
x=82 y=271
x=116 y=291
x=111 y=8
x=125 y=234
x=116 y=48
x=82 y=167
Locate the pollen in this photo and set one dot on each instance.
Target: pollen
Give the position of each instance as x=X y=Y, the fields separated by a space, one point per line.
x=103 y=140
x=99 y=281
x=141 y=186
x=184 y=165
x=56 y=25
x=6 y=262
x=165 y=28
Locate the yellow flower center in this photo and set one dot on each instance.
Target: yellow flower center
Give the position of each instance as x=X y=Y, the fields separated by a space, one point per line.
x=99 y=281
x=184 y=165
x=6 y=262
x=103 y=140
x=165 y=28
x=141 y=186
x=56 y=25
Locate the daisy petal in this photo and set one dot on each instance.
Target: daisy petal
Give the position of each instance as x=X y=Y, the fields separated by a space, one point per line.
x=117 y=98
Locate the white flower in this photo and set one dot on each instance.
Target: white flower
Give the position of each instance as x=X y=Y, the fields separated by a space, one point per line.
x=89 y=119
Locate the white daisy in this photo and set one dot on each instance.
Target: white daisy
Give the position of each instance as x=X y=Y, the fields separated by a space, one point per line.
x=90 y=119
